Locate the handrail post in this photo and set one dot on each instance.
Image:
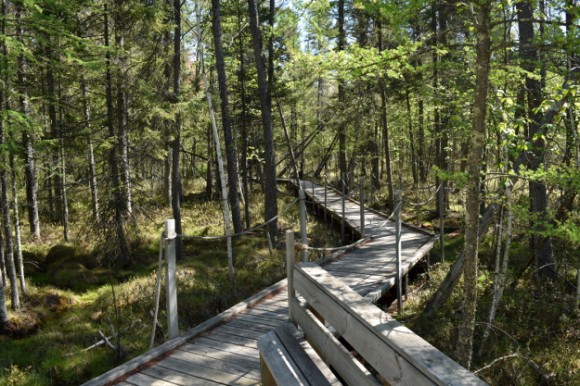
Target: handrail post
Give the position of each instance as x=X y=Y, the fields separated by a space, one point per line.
x=303 y=236
x=290 y=259
x=399 y=283
x=172 y=320
x=362 y=207
x=343 y=218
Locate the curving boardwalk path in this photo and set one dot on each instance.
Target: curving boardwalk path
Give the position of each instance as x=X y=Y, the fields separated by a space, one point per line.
x=223 y=350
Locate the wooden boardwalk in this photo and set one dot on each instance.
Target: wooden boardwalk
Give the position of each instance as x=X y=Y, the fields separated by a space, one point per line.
x=223 y=350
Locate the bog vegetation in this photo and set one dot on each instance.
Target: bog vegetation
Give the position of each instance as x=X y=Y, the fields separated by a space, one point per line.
x=118 y=114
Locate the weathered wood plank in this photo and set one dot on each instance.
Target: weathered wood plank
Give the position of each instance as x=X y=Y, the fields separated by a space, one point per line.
x=232 y=367
x=147 y=380
x=239 y=331
x=244 y=325
x=265 y=314
x=175 y=377
x=226 y=346
x=233 y=339
x=249 y=361
x=260 y=320
x=209 y=374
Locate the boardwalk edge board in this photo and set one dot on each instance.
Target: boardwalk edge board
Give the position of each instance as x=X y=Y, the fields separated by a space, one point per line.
x=134 y=364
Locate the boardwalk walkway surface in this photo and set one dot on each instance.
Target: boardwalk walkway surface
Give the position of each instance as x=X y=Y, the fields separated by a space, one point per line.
x=223 y=350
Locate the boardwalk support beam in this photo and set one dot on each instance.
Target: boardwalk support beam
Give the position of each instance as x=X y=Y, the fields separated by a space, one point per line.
x=171 y=236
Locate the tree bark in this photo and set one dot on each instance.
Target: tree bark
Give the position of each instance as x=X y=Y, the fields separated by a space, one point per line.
x=414 y=168
x=341 y=45
x=27 y=135
x=464 y=348
x=122 y=127
x=385 y=132
x=91 y=153
x=244 y=123
x=119 y=203
x=270 y=188
x=231 y=157
x=543 y=251
x=175 y=174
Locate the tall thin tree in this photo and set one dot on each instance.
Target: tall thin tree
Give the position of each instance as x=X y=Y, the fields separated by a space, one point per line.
x=270 y=188
x=231 y=157
x=475 y=157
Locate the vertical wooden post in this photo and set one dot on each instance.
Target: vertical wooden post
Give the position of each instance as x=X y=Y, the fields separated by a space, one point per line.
x=172 y=323
x=290 y=259
x=325 y=197
x=398 y=204
x=441 y=221
x=362 y=207
x=343 y=218
x=303 y=237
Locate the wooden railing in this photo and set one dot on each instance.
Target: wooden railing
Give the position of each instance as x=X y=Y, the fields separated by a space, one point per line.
x=360 y=342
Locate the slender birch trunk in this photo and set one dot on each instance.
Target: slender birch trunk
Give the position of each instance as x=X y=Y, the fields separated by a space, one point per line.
x=91 y=152
x=464 y=348
x=225 y=202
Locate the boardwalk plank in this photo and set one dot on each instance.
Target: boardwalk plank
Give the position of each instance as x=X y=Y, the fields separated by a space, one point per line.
x=140 y=379
x=234 y=339
x=243 y=325
x=217 y=364
x=226 y=346
x=198 y=370
x=260 y=320
x=220 y=355
x=229 y=328
x=175 y=377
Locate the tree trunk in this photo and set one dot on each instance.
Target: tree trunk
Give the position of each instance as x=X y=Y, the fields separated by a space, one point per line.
x=175 y=175
x=501 y=269
x=119 y=203
x=244 y=123
x=222 y=175
x=91 y=153
x=341 y=45
x=543 y=251
x=55 y=182
x=62 y=167
x=414 y=170
x=385 y=132
x=231 y=157
x=17 y=234
x=483 y=49
x=27 y=136
x=270 y=188
x=122 y=127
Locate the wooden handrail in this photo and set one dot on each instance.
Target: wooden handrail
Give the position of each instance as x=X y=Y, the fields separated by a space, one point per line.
x=389 y=349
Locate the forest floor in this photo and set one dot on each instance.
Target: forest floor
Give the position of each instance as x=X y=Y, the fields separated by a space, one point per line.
x=73 y=299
